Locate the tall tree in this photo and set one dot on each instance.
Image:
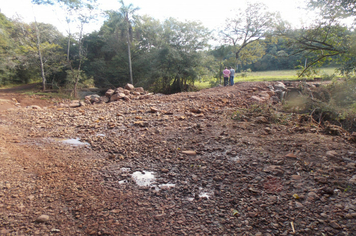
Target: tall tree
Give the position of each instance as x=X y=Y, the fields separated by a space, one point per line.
x=247 y=27
x=128 y=13
x=34 y=50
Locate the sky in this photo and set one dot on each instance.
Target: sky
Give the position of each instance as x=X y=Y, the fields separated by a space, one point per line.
x=211 y=14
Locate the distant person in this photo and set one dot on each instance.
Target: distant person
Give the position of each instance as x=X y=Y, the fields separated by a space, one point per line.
x=226 y=73
x=232 y=75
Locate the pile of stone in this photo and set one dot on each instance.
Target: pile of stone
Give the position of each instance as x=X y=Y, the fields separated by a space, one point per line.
x=274 y=95
x=127 y=93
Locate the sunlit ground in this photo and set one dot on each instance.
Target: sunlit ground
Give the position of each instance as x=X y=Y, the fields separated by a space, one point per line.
x=274 y=75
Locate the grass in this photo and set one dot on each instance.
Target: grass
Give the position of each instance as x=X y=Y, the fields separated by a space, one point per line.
x=274 y=75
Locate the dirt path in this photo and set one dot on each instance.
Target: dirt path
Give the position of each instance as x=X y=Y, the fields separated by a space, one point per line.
x=212 y=175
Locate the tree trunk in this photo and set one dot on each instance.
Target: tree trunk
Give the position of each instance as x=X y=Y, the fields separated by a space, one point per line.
x=68 y=47
x=129 y=53
x=80 y=60
x=40 y=56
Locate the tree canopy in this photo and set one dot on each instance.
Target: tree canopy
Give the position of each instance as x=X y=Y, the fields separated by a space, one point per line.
x=167 y=56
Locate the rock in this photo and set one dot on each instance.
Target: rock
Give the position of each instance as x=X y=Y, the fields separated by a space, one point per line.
x=75 y=103
x=136 y=93
x=261 y=119
x=104 y=99
x=119 y=90
x=268 y=130
x=331 y=154
x=129 y=87
x=273 y=169
x=265 y=95
x=280 y=86
x=126 y=92
x=139 y=89
x=334 y=225
x=42 y=219
x=190 y=153
x=350 y=216
x=109 y=93
x=4 y=232
x=296 y=177
x=280 y=94
x=353 y=180
x=154 y=109
x=257 y=99
x=164 y=170
x=351 y=165
x=117 y=96
x=160 y=216
x=291 y=155
x=298 y=205
x=275 y=99
x=258 y=234
x=323 y=214
x=92 y=98
x=312 y=196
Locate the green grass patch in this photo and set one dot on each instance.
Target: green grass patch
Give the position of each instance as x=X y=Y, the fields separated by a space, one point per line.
x=48 y=95
x=275 y=75
x=202 y=85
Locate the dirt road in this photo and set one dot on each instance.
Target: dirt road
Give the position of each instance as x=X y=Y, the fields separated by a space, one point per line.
x=171 y=165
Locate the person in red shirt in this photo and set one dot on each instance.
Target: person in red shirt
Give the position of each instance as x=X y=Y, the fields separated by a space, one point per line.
x=226 y=73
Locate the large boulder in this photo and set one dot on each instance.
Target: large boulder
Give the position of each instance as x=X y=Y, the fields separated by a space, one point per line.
x=109 y=93
x=280 y=86
x=119 y=90
x=75 y=103
x=117 y=96
x=105 y=99
x=139 y=89
x=90 y=99
x=126 y=92
x=129 y=87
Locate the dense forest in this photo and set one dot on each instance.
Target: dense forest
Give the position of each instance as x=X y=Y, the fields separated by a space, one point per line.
x=167 y=56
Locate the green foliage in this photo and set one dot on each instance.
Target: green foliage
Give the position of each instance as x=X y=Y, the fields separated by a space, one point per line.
x=246 y=29
x=83 y=80
x=331 y=104
x=334 y=8
x=7 y=51
x=165 y=56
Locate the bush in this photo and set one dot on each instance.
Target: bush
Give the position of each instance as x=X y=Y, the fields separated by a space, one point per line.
x=333 y=104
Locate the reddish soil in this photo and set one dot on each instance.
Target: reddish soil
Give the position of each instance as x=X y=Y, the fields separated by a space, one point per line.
x=246 y=176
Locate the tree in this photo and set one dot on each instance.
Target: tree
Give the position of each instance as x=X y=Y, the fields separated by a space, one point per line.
x=128 y=13
x=38 y=50
x=221 y=54
x=319 y=43
x=7 y=50
x=81 y=12
x=326 y=38
x=247 y=27
x=178 y=55
x=335 y=8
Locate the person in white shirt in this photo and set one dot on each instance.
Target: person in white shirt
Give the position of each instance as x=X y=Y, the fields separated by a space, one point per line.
x=232 y=75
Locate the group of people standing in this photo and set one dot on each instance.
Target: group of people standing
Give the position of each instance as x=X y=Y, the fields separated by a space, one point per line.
x=229 y=74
